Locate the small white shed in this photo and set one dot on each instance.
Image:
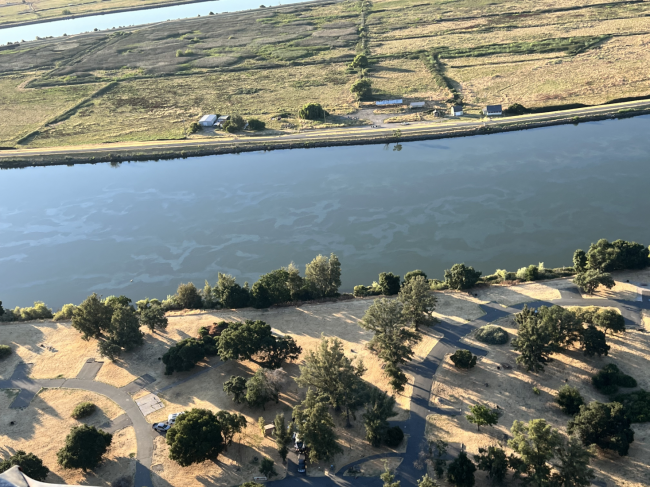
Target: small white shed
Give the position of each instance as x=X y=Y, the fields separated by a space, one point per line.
x=207 y=120
x=456 y=111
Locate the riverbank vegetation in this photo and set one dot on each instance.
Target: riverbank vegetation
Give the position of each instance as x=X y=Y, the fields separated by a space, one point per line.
x=274 y=61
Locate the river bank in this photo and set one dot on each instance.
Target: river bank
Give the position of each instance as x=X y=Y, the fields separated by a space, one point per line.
x=187 y=148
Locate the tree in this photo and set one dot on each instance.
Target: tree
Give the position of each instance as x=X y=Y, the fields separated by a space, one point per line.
x=231 y=425
x=461 y=471
x=573 y=469
x=84 y=447
x=463 y=359
x=195 y=437
x=229 y=293
x=589 y=280
x=412 y=274
x=603 y=425
x=609 y=319
x=330 y=372
x=91 y=317
x=618 y=255
x=124 y=331
x=260 y=296
x=534 y=341
x=324 y=276
x=389 y=283
x=152 y=315
x=359 y=61
x=535 y=443
x=388 y=478
x=481 y=415
x=188 y=297
x=494 y=461
x=275 y=282
x=312 y=111
x=417 y=301
x=593 y=342
x=235 y=124
x=562 y=324
x=267 y=469
x=569 y=399
x=579 y=261
x=427 y=481
x=362 y=88
x=255 y=124
x=30 y=464
x=281 y=435
x=184 y=355
x=262 y=388
x=236 y=387
x=461 y=277
x=380 y=407
x=316 y=427
x=2 y=310
x=516 y=109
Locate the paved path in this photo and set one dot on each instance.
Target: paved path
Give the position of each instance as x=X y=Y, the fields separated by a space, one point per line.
x=408 y=472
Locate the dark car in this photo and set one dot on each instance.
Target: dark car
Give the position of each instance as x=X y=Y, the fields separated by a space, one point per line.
x=301 y=464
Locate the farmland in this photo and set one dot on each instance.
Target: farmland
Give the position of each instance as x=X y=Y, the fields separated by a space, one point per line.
x=267 y=63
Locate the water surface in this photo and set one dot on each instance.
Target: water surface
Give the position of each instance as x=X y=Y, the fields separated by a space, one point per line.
x=496 y=201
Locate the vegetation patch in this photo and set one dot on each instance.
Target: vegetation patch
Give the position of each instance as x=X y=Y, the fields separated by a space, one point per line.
x=610 y=378
x=493 y=335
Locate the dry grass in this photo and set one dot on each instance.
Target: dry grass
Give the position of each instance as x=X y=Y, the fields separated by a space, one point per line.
x=509 y=295
x=374 y=468
x=512 y=391
x=42 y=427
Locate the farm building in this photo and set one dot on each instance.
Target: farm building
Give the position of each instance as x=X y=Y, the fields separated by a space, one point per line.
x=456 y=111
x=384 y=103
x=417 y=104
x=492 y=110
x=207 y=120
x=221 y=120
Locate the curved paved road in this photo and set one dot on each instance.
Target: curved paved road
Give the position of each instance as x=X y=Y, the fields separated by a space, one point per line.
x=423 y=373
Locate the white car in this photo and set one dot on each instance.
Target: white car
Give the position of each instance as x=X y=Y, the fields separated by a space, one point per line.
x=171 y=419
x=161 y=427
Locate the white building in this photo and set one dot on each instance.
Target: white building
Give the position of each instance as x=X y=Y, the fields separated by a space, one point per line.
x=456 y=111
x=207 y=120
x=417 y=104
x=492 y=110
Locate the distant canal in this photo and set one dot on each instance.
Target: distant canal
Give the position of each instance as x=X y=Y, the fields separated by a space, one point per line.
x=78 y=25
x=495 y=201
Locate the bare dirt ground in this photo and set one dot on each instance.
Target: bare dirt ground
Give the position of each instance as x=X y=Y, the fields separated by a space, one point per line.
x=42 y=427
x=512 y=391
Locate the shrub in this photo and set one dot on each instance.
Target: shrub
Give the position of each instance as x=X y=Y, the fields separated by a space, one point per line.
x=461 y=277
x=360 y=61
x=362 y=88
x=394 y=436
x=389 y=283
x=312 y=111
x=187 y=353
x=235 y=124
x=610 y=378
x=37 y=312
x=83 y=410
x=255 y=124
x=413 y=274
x=464 y=359
x=5 y=351
x=494 y=335
x=66 y=312
x=194 y=127
x=66 y=11
x=636 y=404
x=267 y=468
x=437 y=285
x=536 y=391
x=530 y=273
x=516 y=109
x=605 y=425
x=569 y=400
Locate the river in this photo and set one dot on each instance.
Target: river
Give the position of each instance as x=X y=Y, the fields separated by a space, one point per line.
x=78 y=25
x=495 y=201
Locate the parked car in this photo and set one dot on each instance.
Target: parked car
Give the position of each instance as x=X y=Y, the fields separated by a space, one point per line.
x=171 y=419
x=301 y=464
x=161 y=427
x=297 y=442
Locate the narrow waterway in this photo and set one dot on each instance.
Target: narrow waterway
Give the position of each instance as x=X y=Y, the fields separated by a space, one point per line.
x=78 y=25
x=496 y=201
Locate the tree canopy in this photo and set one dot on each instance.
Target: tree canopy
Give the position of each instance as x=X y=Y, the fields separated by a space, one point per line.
x=569 y=399
x=92 y=317
x=603 y=425
x=84 y=447
x=591 y=279
x=362 y=88
x=417 y=301
x=196 y=436
x=30 y=464
x=461 y=277
x=463 y=359
x=481 y=415
x=187 y=353
x=312 y=111
x=380 y=407
x=316 y=427
x=535 y=443
x=460 y=472
x=324 y=276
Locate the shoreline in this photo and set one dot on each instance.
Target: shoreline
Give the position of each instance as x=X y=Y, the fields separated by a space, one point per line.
x=182 y=149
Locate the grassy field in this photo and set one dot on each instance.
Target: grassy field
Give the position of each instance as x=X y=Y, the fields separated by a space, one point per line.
x=269 y=62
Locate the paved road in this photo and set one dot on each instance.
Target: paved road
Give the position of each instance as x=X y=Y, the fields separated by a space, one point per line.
x=408 y=473
x=354 y=134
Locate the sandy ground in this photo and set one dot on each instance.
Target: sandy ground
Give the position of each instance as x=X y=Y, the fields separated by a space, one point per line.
x=42 y=427
x=511 y=390
x=523 y=293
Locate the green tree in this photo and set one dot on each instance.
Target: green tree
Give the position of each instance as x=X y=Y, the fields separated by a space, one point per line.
x=593 y=342
x=610 y=320
x=591 y=279
x=534 y=341
x=463 y=359
x=151 y=314
x=195 y=437
x=427 y=481
x=236 y=387
x=183 y=356
x=255 y=124
x=389 y=283
x=461 y=471
x=124 y=330
x=569 y=399
x=324 y=276
x=267 y=468
x=188 y=297
x=30 y=464
x=92 y=317
x=535 y=443
x=262 y=388
x=579 y=261
x=235 y=124
x=281 y=435
x=494 y=461
x=412 y=274
x=516 y=109
x=573 y=468
x=618 y=255
x=481 y=415
x=417 y=301
x=276 y=284
x=231 y=425
x=359 y=61
x=330 y=372
x=603 y=425
x=563 y=324
x=84 y=447
x=312 y=111
x=260 y=296
x=316 y=427
x=2 y=310
x=229 y=293
x=380 y=407
x=362 y=88
x=388 y=478
x=461 y=277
